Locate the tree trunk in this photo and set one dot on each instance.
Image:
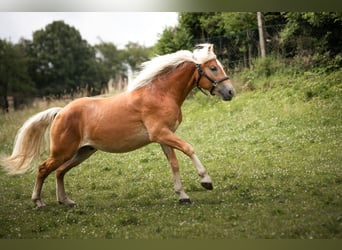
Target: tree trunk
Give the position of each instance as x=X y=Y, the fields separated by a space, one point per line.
x=4 y=100
x=261 y=34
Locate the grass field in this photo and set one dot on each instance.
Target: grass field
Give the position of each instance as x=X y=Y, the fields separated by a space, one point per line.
x=274 y=155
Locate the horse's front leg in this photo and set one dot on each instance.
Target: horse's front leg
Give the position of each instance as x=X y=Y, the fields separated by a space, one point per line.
x=167 y=137
x=202 y=172
x=171 y=156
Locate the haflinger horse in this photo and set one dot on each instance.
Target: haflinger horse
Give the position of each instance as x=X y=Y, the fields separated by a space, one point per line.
x=149 y=111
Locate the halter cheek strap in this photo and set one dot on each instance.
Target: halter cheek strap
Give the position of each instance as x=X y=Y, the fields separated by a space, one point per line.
x=213 y=82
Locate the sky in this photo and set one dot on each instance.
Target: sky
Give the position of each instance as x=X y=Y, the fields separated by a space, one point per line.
x=116 y=27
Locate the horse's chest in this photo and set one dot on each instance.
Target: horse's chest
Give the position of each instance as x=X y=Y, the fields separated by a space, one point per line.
x=172 y=121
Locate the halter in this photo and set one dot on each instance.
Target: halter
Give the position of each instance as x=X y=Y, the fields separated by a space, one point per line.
x=213 y=82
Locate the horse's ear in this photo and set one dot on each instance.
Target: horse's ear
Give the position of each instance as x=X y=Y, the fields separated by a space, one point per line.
x=211 y=48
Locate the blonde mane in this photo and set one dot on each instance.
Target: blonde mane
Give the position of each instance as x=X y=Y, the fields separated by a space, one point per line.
x=166 y=63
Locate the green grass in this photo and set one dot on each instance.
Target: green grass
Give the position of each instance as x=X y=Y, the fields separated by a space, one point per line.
x=274 y=155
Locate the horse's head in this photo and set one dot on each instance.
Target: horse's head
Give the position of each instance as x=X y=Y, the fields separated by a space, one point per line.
x=211 y=75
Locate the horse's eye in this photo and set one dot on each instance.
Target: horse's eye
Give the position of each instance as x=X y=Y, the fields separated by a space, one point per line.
x=213 y=68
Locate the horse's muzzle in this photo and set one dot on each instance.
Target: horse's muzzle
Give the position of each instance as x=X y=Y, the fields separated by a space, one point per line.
x=226 y=91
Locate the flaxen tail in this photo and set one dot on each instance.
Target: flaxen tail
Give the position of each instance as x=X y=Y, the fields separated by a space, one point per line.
x=28 y=142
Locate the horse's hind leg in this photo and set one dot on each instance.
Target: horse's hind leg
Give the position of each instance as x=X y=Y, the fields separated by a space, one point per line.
x=43 y=171
x=81 y=155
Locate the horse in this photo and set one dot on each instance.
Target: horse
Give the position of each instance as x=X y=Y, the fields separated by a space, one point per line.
x=149 y=111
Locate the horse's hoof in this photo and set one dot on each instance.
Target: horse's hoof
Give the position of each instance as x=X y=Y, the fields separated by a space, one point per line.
x=207 y=185
x=40 y=207
x=71 y=205
x=68 y=203
x=39 y=204
x=184 y=201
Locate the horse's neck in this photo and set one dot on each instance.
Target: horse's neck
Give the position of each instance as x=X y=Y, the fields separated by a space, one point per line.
x=178 y=83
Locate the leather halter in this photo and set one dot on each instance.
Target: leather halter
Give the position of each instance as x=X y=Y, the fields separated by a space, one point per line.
x=213 y=82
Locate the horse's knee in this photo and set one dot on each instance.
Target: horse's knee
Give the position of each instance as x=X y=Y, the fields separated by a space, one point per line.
x=188 y=150
x=47 y=167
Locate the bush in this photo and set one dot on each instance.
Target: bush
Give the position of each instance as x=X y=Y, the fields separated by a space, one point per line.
x=320 y=80
x=322 y=85
x=263 y=70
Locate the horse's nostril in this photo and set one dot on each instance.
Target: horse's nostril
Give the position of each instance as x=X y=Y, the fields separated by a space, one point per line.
x=231 y=92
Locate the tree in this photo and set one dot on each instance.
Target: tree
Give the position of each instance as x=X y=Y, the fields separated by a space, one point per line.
x=309 y=33
x=232 y=33
x=110 y=61
x=192 y=23
x=173 y=39
x=62 y=62
x=261 y=30
x=135 y=54
x=236 y=36
x=14 y=76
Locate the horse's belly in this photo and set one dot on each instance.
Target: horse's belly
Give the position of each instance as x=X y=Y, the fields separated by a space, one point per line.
x=121 y=141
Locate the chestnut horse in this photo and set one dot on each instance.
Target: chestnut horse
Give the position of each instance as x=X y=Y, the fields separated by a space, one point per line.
x=150 y=111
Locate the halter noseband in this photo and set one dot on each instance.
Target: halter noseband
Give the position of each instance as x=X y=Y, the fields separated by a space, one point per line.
x=213 y=82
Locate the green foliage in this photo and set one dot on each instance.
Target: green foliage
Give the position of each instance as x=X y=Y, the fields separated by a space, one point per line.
x=232 y=22
x=173 y=39
x=135 y=54
x=62 y=62
x=110 y=59
x=165 y=44
x=14 y=68
x=182 y=36
x=59 y=62
x=262 y=73
x=310 y=33
x=14 y=76
x=273 y=154
x=314 y=37
x=271 y=72
x=115 y=64
x=191 y=23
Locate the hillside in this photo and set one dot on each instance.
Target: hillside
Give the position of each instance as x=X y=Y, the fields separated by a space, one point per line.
x=274 y=154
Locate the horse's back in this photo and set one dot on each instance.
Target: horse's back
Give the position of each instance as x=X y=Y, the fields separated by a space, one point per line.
x=110 y=124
